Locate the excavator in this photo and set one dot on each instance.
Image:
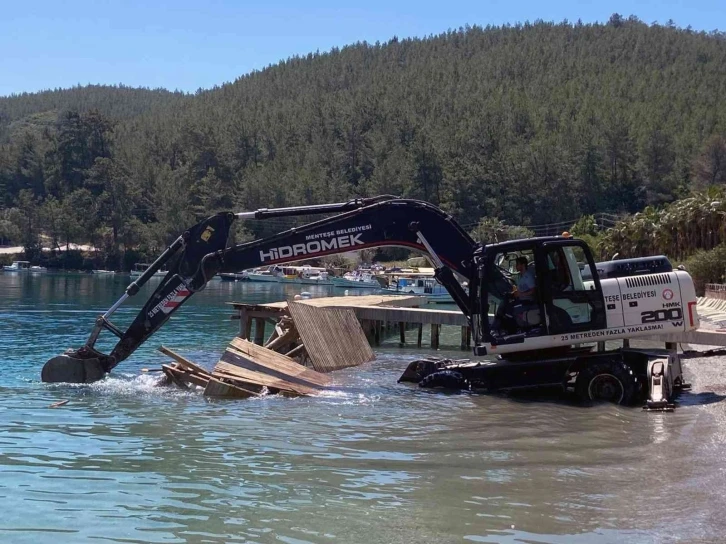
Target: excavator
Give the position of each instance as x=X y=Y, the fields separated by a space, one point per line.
x=542 y=341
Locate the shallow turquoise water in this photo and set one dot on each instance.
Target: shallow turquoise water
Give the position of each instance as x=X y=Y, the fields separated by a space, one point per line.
x=372 y=461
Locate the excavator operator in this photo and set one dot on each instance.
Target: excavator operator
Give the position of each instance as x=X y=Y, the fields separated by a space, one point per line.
x=521 y=299
x=525 y=290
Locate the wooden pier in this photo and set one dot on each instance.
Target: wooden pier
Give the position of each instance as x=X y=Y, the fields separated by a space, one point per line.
x=379 y=316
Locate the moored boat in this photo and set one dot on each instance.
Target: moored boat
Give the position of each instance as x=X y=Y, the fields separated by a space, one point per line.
x=425 y=286
x=140 y=268
x=260 y=274
x=23 y=266
x=357 y=280
x=234 y=276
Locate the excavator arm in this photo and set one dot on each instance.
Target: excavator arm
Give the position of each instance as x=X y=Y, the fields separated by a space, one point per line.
x=201 y=252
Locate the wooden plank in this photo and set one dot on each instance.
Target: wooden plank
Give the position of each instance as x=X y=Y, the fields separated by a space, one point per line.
x=224 y=369
x=282 y=341
x=183 y=362
x=219 y=389
x=333 y=337
x=279 y=329
x=295 y=351
x=184 y=378
x=247 y=362
x=190 y=377
x=171 y=373
x=277 y=362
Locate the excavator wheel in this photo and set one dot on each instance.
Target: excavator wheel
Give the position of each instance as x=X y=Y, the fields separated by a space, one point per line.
x=66 y=369
x=609 y=381
x=445 y=379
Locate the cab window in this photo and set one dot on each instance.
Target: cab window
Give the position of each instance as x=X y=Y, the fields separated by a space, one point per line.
x=575 y=304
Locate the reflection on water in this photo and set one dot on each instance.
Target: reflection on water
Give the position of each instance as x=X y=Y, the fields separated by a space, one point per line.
x=371 y=461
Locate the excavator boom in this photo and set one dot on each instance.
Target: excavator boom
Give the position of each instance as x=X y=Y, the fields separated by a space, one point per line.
x=201 y=252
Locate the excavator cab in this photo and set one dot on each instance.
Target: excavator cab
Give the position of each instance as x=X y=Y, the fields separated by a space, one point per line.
x=567 y=294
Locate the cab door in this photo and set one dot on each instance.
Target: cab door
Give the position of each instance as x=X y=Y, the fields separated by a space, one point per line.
x=572 y=303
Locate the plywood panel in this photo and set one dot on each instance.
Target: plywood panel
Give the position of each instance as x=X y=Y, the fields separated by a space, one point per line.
x=333 y=337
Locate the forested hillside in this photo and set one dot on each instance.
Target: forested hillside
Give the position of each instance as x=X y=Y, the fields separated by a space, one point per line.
x=530 y=124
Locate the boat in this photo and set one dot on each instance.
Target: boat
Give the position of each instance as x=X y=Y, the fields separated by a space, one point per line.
x=260 y=274
x=140 y=268
x=309 y=275
x=301 y=275
x=357 y=280
x=316 y=278
x=103 y=272
x=23 y=266
x=421 y=285
x=234 y=276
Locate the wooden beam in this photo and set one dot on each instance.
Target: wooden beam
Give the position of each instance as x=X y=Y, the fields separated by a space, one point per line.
x=183 y=362
x=286 y=338
x=242 y=323
x=171 y=373
x=259 y=331
x=219 y=389
x=248 y=327
x=294 y=352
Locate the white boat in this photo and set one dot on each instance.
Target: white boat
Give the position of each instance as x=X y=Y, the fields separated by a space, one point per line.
x=357 y=280
x=23 y=266
x=317 y=279
x=140 y=268
x=260 y=274
x=301 y=275
x=311 y=275
x=234 y=276
x=104 y=272
x=420 y=285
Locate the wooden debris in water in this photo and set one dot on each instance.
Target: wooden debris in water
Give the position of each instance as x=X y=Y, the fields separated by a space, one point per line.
x=245 y=370
x=304 y=334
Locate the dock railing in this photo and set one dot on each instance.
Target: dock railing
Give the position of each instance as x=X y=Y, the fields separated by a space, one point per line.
x=716 y=290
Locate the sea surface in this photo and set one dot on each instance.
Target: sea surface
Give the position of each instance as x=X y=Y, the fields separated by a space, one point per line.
x=127 y=461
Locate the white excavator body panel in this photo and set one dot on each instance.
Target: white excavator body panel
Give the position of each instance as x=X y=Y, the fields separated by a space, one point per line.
x=637 y=306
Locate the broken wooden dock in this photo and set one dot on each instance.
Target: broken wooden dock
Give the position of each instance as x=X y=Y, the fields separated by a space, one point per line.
x=245 y=370
x=378 y=315
x=305 y=335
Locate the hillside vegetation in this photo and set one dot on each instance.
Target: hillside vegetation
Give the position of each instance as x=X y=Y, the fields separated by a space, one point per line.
x=526 y=124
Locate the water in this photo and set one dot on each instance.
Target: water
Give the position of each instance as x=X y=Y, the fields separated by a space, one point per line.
x=372 y=461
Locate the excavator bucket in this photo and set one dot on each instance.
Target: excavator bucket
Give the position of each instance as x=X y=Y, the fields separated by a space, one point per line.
x=69 y=369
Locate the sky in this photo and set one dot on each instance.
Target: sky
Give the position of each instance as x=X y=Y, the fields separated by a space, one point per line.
x=191 y=44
